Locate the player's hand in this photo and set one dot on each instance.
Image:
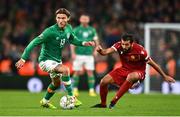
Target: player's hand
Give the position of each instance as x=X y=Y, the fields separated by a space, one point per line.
x=95 y=53
x=89 y=43
x=20 y=64
x=99 y=49
x=169 y=79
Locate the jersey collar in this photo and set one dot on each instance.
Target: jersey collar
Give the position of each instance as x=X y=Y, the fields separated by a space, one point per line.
x=58 y=28
x=83 y=26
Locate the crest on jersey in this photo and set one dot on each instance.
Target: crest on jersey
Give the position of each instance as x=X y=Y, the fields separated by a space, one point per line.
x=134 y=58
x=85 y=34
x=41 y=36
x=57 y=38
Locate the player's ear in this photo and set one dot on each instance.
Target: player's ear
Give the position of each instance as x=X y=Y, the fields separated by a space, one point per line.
x=68 y=18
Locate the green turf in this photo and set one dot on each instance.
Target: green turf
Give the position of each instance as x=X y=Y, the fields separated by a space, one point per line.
x=25 y=103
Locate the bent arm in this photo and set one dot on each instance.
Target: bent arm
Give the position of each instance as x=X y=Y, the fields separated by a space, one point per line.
x=31 y=45
x=104 y=52
x=158 y=69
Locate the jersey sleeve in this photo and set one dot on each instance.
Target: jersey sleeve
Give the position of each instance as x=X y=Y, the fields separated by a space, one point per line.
x=35 y=42
x=145 y=55
x=75 y=31
x=73 y=38
x=116 y=46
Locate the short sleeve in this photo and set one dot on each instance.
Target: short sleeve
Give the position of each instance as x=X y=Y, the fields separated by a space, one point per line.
x=116 y=46
x=145 y=55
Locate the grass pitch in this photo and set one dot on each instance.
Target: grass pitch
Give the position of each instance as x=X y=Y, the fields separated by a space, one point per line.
x=23 y=103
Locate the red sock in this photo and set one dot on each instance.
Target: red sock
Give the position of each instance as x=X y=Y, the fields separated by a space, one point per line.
x=122 y=90
x=103 y=93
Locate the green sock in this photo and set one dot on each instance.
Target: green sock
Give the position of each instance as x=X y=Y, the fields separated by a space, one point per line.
x=67 y=83
x=50 y=91
x=76 y=81
x=91 y=82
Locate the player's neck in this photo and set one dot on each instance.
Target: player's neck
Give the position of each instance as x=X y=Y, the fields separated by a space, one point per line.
x=85 y=25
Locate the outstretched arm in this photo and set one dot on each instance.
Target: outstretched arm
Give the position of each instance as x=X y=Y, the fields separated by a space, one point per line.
x=104 y=52
x=27 y=51
x=166 y=77
x=75 y=41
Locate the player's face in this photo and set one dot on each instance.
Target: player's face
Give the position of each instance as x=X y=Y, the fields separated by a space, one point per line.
x=84 y=20
x=126 y=45
x=61 y=20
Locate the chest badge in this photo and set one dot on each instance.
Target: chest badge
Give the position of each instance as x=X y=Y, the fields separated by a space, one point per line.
x=132 y=57
x=57 y=38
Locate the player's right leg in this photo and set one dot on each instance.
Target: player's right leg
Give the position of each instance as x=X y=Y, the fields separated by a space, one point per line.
x=91 y=83
x=48 y=66
x=77 y=67
x=104 y=91
x=89 y=66
x=132 y=78
x=76 y=83
x=45 y=102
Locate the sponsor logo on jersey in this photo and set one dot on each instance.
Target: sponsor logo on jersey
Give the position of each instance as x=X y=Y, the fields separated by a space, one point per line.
x=68 y=35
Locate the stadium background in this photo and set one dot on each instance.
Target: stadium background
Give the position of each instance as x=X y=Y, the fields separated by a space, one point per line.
x=22 y=20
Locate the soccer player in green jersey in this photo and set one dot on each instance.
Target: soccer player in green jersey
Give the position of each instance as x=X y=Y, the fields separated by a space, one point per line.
x=83 y=57
x=52 y=41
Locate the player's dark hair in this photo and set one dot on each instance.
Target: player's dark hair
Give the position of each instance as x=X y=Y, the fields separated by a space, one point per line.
x=63 y=11
x=85 y=14
x=127 y=37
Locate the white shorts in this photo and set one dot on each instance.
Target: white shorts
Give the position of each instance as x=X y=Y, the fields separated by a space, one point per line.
x=48 y=66
x=83 y=61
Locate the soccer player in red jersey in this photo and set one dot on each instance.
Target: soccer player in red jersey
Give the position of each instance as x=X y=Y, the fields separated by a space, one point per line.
x=134 y=59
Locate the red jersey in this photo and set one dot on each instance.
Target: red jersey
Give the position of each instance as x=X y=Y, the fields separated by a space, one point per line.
x=135 y=59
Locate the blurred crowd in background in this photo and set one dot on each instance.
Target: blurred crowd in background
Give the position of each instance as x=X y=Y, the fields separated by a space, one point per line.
x=22 y=20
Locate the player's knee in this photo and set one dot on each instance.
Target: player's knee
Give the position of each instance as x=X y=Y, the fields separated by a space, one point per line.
x=66 y=71
x=103 y=82
x=90 y=73
x=132 y=77
x=56 y=82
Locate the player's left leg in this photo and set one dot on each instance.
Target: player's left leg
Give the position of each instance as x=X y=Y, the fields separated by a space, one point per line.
x=64 y=70
x=131 y=78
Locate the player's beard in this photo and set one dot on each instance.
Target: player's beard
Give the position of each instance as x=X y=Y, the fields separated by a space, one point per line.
x=126 y=50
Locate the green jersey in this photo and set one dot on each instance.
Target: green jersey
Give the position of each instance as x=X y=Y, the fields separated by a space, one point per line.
x=52 y=41
x=85 y=34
